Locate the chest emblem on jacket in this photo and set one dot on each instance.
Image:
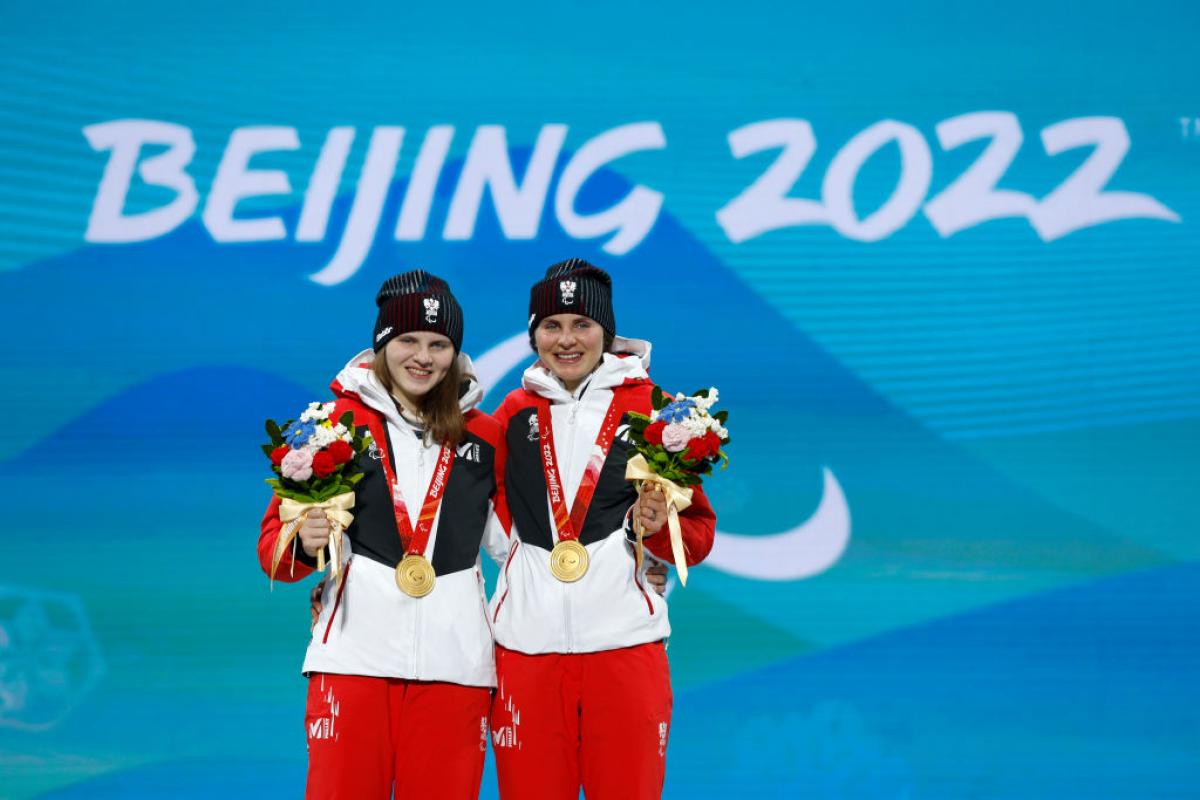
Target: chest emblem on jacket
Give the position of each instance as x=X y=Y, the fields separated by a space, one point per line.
x=622 y=435
x=373 y=451
x=469 y=451
x=533 y=428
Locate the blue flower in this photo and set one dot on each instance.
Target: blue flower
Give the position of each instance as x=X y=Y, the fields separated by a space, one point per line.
x=299 y=433
x=677 y=411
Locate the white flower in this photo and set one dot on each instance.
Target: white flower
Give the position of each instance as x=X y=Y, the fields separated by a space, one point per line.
x=695 y=425
x=341 y=431
x=317 y=412
x=705 y=403
x=322 y=436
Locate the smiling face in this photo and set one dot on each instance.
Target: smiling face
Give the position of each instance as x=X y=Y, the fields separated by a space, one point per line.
x=570 y=346
x=417 y=362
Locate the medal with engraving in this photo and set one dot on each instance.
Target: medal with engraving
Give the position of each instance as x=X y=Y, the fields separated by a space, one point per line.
x=414 y=573
x=569 y=558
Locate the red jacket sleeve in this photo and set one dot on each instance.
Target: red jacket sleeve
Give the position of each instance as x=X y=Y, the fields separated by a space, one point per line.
x=490 y=427
x=511 y=404
x=697 y=522
x=290 y=569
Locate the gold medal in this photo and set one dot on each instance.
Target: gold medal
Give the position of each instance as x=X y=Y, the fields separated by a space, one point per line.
x=568 y=560
x=414 y=576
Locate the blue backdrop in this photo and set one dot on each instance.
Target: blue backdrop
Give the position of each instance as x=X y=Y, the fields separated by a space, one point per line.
x=939 y=258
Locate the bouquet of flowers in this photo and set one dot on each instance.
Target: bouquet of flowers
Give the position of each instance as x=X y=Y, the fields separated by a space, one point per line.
x=679 y=442
x=314 y=459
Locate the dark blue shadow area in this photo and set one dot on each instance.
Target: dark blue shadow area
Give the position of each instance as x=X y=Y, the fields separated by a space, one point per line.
x=1088 y=692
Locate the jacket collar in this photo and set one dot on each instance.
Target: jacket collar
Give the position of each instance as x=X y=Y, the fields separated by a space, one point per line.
x=629 y=359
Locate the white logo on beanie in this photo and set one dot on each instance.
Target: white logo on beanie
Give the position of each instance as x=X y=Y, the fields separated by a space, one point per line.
x=432 y=304
x=568 y=291
x=383 y=333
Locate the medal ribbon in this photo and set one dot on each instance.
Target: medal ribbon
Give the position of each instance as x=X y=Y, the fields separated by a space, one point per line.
x=570 y=525
x=414 y=541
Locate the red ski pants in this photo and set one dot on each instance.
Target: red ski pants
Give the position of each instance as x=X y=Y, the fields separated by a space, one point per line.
x=596 y=720
x=364 y=734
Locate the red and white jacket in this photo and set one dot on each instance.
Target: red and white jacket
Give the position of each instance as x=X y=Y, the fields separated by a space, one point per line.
x=371 y=627
x=611 y=605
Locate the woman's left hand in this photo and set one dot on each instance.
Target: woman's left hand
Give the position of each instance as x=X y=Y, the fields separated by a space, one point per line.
x=656 y=576
x=651 y=511
x=314 y=602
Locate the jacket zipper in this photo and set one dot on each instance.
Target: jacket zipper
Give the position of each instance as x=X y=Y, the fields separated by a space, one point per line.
x=337 y=603
x=416 y=647
x=566 y=587
x=512 y=552
x=638 y=581
x=417 y=640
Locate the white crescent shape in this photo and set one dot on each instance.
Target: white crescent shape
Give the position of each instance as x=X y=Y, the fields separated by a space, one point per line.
x=806 y=550
x=810 y=548
x=501 y=359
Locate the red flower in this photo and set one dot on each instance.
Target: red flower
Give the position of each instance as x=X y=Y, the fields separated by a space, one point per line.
x=340 y=451
x=323 y=464
x=653 y=432
x=703 y=447
x=278 y=453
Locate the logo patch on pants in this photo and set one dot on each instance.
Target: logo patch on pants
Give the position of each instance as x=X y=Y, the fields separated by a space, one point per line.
x=325 y=726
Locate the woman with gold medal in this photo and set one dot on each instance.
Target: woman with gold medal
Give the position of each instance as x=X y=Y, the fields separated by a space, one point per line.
x=400 y=665
x=584 y=695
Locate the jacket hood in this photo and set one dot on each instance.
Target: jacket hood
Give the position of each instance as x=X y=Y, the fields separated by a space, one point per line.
x=627 y=359
x=357 y=379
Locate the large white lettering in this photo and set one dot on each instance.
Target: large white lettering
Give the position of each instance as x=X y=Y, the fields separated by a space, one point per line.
x=160 y=153
x=519 y=208
x=236 y=181
x=373 y=183
x=631 y=219
x=126 y=138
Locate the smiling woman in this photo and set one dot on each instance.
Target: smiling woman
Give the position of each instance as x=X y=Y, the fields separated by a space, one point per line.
x=400 y=666
x=571 y=345
x=420 y=370
x=580 y=640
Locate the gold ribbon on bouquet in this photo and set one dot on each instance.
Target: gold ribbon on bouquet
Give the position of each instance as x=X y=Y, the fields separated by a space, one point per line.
x=292 y=514
x=678 y=498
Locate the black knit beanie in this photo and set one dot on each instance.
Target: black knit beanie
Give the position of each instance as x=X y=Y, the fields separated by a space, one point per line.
x=417 y=301
x=573 y=287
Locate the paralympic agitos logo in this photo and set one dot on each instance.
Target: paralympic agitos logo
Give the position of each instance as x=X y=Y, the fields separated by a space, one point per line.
x=1079 y=200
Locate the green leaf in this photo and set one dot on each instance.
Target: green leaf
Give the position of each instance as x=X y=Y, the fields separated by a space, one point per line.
x=273 y=431
x=656 y=398
x=721 y=416
x=268 y=449
x=347 y=419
